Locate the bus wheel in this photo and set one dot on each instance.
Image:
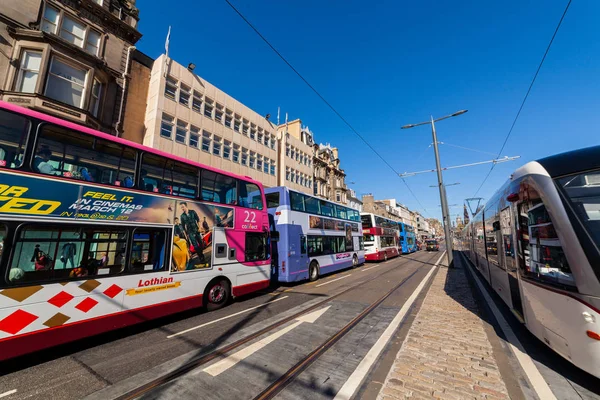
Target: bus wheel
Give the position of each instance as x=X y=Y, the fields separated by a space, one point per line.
x=313 y=271
x=217 y=294
x=354 y=261
x=385 y=256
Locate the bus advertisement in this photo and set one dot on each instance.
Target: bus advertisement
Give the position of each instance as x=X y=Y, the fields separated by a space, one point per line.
x=98 y=233
x=381 y=236
x=315 y=236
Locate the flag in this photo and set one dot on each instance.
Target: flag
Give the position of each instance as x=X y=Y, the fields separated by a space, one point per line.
x=167 y=42
x=278 y=109
x=466 y=214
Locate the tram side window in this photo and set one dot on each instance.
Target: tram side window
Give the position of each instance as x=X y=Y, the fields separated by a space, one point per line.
x=76 y=155
x=45 y=253
x=148 y=250
x=249 y=195
x=297 y=201
x=162 y=175
x=257 y=248
x=541 y=255
x=14 y=130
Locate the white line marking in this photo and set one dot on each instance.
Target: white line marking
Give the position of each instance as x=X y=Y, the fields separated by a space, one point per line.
x=533 y=374
x=227 y=317
x=354 y=381
x=8 y=393
x=225 y=364
x=374 y=266
x=333 y=280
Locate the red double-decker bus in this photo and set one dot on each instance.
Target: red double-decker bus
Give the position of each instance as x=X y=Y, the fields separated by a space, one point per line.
x=99 y=233
x=381 y=237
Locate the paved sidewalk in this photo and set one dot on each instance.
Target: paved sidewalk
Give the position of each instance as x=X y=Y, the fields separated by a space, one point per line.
x=446 y=354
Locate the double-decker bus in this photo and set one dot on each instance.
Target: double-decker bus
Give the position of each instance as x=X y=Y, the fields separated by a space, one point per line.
x=411 y=240
x=536 y=242
x=315 y=236
x=381 y=237
x=98 y=233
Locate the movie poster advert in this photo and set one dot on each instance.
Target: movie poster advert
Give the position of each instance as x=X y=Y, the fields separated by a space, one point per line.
x=192 y=222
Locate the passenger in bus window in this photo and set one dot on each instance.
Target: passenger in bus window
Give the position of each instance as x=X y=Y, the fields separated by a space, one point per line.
x=85 y=174
x=41 y=162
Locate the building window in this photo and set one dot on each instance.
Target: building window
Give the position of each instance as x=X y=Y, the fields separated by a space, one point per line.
x=99 y=2
x=272 y=142
x=72 y=31
x=260 y=137
x=29 y=71
x=166 y=126
x=184 y=95
x=259 y=163
x=236 y=153
x=181 y=132
x=194 y=136
x=287 y=173
x=217 y=146
x=244 y=156
x=208 y=108
x=219 y=114
x=226 y=149
x=252 y=159
x=273 y=167
x=92 y=43
x=206 y=141
x=95 y=98
x=196 y=101
x=236 y=124
x=66 y=83
x=287 y=150
x=293 y=176
x=252 y=131
x=228 y=121
x=170 y=88
x=297 y=177
x=50 y=19
x=266 y=166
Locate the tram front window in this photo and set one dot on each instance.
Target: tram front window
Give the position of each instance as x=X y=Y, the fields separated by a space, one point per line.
x=583 y=191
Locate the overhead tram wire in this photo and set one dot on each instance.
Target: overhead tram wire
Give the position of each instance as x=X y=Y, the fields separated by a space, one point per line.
x=526 y=95
x=335 y=111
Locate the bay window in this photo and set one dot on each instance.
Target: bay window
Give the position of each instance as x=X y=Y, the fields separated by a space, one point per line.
x=50 y=19
x=70 y=29
x=66 y=82
x=29 y=70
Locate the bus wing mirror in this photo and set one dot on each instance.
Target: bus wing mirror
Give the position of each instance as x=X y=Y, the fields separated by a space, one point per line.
x=274 y=236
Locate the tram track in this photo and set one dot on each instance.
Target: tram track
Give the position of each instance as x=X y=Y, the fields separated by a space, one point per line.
x=278 y=385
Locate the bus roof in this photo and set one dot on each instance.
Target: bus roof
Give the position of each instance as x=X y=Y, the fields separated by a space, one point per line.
x=71 y=125
x=572 y=161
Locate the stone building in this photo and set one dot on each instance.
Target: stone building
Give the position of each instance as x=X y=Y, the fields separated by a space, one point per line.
x=68 y=58
x=295 y=157
x=329 y=178
x=379 y=207
x=353 y=201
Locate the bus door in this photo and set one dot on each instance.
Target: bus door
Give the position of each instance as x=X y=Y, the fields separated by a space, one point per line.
x=274 y=249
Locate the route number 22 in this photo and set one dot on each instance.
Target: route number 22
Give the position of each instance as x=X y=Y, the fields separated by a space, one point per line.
x=250 y=217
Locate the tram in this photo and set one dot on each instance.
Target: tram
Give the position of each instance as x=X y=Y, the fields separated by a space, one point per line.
x=536 y=242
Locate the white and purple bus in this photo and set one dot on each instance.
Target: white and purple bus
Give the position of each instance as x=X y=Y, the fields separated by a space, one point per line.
x=315 y=236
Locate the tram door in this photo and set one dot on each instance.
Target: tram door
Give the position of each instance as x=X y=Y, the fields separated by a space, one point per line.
x=507 y=247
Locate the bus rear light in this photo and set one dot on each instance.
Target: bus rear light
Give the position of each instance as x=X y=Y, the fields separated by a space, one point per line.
x=512 y=197
x=283 y=264
x=593 y=335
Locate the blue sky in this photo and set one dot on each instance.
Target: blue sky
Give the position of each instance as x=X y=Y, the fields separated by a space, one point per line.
x=388 y=63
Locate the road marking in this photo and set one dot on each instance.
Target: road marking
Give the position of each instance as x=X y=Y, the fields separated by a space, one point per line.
x=354 y=381
x=333 y=280
x=233 y=359
x=374 y=266
x=227 y=317
x=8 y=393
x=533 y=374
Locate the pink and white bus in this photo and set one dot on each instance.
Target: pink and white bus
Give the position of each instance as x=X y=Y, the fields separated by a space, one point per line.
x=98 y=233
x=381 y=237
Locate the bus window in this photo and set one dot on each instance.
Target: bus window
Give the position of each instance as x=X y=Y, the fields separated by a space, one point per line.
x=77 y=155
x=341 y=212
x=326 y=208
x=367 y=221
x=296 y=201
x=272 y=200
x=249 y=195
x=257 y=248
x=302 y=244
x=162 y=175
x=14 y=130
x=148 y=250
x=49 y=252
x=218 y=188
x=312 y=205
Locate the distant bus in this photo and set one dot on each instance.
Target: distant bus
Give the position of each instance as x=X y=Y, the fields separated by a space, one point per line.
x=315 y=236
x=98 y=233
x=410 y=238
x=381 y=236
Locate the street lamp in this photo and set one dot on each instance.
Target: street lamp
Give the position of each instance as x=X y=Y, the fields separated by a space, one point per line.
x=442 y=188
